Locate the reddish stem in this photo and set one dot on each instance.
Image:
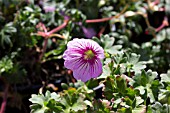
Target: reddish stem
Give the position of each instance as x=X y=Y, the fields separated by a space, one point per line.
x=164 y=24
x=44 y=28
x=4 y=102
x=108 y=18
x=101 y=31
x=44 y=48
x=156 y=2
x=46 y=34
x=99 y=20
x=59 y=27
x=160 y=27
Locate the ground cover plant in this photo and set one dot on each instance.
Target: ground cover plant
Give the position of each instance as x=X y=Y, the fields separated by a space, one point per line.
x=84 y=56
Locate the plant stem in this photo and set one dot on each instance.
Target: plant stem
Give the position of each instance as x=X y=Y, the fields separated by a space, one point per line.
x=164 y=24
x=44 y=48
x=4 y=102
x=59 y=27
x=46 y=34
x=108 y=18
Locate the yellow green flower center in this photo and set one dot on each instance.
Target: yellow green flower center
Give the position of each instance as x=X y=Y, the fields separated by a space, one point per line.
x=88 y=55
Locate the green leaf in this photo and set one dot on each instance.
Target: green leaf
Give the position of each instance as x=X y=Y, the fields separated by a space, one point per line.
x=46 y=103
x=38 y=110
x=165 y=77
x=114 y=49
x=158 y=108
x=53 y=107
x=139 y=100
x=164 y=96
x=145 y=77
x=106 y=72
x=147 y=84
x=121 y=84
x=133 y=64
x=55 y=96
x=6 y=64
x=141 y=89
x=89 y=103
x=37 y=99
x=140 y=109
x=150 y=93
x=133 y=58
x=6 y=34
x=79 y=105
x=109 y=88
x=108 y=41
x=98 y=107
x=73 y=102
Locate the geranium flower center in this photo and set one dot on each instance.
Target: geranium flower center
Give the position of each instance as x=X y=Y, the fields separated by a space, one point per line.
x=88 y=55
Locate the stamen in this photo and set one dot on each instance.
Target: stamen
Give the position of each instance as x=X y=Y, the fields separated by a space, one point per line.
x=88 y=55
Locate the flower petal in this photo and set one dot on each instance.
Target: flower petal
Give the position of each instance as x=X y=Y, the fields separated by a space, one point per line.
x=82 y=68
x=76 y=44
x=82 y=73
x=73 y=64
x=87 y=70
x=97 y=68
x=70 y=55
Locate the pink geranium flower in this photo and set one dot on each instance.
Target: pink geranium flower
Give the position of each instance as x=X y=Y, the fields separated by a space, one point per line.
x=83 y=57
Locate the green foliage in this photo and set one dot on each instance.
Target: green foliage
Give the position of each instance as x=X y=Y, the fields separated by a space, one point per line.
x=158 y=108
x=71 y=100
x=136 y=68
x=45 y=103
x=6 y=34
x=5 y=64
x=121 y=93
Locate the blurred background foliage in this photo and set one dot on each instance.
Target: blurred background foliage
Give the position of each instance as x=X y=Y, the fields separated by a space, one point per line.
x=136 y=41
